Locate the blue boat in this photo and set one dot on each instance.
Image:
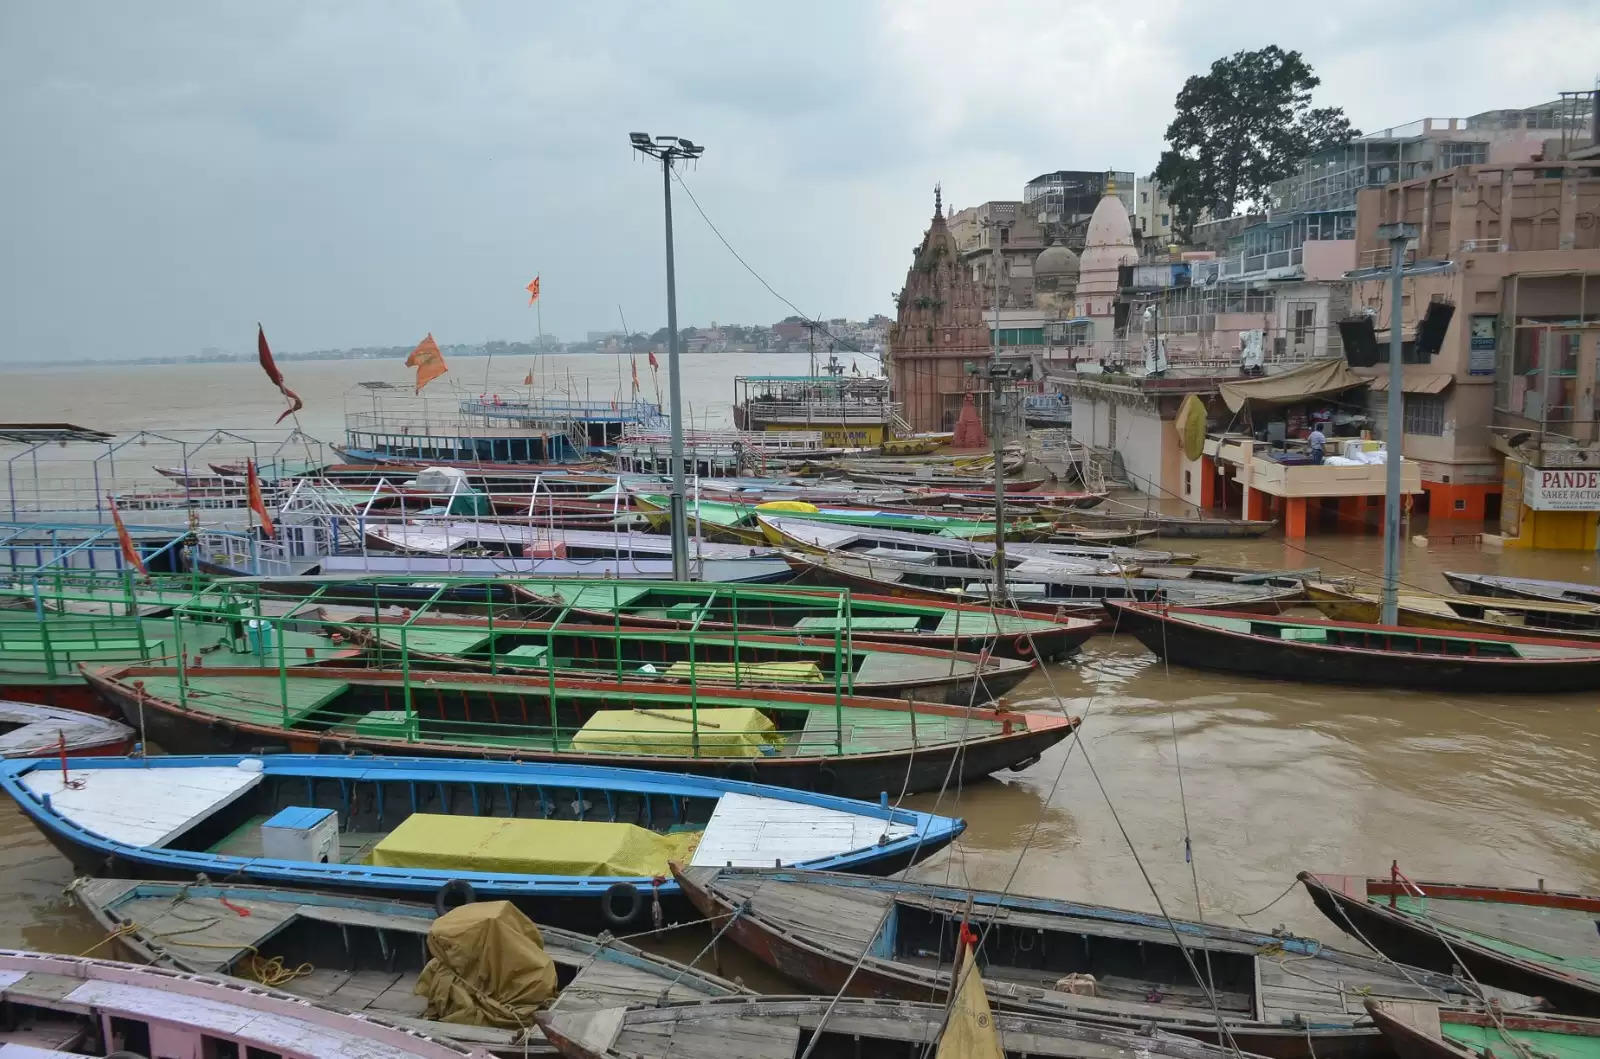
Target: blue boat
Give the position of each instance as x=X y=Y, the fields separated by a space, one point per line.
x=577 y=846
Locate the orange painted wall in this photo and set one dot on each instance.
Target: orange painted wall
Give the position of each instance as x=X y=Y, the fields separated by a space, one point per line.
x=1442 y=498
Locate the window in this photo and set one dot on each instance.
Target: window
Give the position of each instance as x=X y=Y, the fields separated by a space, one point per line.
x=1166 y=219
x=1424 y=414
x=1144 y=196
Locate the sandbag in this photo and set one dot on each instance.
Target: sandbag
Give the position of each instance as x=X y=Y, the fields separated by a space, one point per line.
x=488 y=967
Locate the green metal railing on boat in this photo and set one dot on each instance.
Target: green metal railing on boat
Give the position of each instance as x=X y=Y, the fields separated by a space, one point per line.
x=193 y=623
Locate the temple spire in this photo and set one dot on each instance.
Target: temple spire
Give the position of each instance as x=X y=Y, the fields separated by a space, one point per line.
x=938 y=200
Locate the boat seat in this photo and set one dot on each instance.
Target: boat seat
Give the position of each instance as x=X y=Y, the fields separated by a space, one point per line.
x=835 y=623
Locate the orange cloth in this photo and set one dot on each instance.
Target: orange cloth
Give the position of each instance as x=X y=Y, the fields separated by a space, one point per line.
x=257 y=504
x=428 y=361
x=533 y=290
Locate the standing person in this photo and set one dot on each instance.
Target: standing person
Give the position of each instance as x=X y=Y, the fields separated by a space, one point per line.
x=1318 y=442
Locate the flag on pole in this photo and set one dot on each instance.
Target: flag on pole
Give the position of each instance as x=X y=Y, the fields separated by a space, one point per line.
x=270 y=366
x=428 y=361
x=533 y=290
x=654 y=363
x=634 y=361
x=257 y=504
x=130 y=554
x=969 y=1032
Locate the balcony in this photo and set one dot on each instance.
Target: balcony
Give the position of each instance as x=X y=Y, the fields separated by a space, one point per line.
x=1262 y=266
x=1256 y=470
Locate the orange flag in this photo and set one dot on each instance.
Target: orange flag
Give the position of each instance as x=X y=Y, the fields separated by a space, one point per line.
x=635 y=362
x=258 y=505
x=654 y=363
x=130 y=554
x=533 y=290
x=428 y=361
x=270 y=366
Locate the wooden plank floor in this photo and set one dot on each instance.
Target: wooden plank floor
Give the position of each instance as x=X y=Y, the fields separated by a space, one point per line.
x=255 y=699
x=142 y=807
x=750 y=831
x=1567 y=934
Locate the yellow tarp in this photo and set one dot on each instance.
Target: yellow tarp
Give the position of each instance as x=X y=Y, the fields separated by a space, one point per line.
x=530 y=847
x=970 y=1032
x=738 y=732
x=772 y=672
x=489 y=967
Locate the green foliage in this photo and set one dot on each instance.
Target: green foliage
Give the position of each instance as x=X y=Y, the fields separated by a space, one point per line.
x=1241 y=126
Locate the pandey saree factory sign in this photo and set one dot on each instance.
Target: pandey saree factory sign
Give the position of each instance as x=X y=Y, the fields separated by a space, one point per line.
x=1561 y=490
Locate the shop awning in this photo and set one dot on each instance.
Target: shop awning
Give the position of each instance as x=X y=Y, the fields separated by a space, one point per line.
x=1320 y=378
x=1416 y=382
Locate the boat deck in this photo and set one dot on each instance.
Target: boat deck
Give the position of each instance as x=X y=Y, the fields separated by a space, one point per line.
x=752 y=831
x=140 y=807
x=1564 y=936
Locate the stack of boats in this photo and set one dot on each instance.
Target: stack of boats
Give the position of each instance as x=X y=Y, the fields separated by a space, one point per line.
x=400 y=798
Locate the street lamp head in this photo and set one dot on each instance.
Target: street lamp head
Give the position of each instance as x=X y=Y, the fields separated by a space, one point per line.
x=639 y=139
x=686 y=144
x=1392 y=232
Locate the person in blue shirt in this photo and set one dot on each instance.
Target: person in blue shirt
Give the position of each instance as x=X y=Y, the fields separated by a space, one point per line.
x=1318 y=443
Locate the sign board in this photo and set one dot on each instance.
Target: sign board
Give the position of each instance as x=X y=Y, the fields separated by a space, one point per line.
x=1481 y=344
x=1544 y=489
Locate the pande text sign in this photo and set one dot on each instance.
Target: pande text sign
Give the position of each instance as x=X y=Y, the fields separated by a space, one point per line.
x=1561 y=490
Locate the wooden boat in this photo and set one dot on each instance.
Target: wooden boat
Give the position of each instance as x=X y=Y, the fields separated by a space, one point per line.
x=65 y=1007
x=1539 y=942
x=30 y=730
x=1179 y=526
x=843 y=744
x=1281 y=996
x=1524 y=588
x=1426 y=1031
x=670 y=656
x=445 y=535
x=1493 y=615
x=783 y=1027
x=362 y=954
x=1341 y=652
x=580 y=846
x=789 y=611
x=979 y=500
x=741 y=521
x=1034 y=587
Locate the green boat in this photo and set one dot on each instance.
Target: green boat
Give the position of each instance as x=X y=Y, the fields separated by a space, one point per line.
x=1423 y=1031
x=45 y=638
x=737 y=522
x=733 y=659
x=854 y=745
x=809 y=611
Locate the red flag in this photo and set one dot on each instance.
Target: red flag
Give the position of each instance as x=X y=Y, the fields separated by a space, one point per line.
x=270 y=366
x=130 y=554
x=635 y=362
x=654 y=364
x=533 y=290
x=428 y=361
x=258 y=505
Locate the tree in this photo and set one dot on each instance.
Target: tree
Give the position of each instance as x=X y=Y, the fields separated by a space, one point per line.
x=1243 y=125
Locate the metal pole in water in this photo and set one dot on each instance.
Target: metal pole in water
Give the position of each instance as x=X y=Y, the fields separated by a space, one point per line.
x=1394 y=433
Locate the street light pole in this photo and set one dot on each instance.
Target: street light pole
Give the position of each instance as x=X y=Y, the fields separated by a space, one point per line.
x=667 y=149
x=995 y=382
x=1398 y=235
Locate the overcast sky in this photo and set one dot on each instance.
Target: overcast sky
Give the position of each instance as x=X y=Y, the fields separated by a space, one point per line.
x=357 y=173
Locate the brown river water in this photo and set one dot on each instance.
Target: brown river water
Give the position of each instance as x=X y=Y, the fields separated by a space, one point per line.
x=1265 y=777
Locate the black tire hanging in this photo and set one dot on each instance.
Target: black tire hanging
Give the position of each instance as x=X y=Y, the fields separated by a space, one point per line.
x=454 y=894
x=621 y=904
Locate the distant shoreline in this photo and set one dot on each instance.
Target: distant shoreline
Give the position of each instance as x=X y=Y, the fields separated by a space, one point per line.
x=287 y=358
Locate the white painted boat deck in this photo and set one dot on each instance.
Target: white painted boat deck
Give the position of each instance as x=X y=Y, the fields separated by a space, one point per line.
x=754 y=832
x=141 y=807
x=440 y=538
x=242 y=1022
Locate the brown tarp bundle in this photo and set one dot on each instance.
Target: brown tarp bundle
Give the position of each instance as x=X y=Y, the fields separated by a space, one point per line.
x=489 y=967
x=1319 y=378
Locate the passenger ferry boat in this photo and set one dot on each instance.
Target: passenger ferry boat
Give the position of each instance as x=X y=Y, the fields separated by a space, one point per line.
x=848 y=411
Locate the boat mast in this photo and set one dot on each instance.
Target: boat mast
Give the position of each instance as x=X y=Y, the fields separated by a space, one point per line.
x=995 y=431
x=1398 y=235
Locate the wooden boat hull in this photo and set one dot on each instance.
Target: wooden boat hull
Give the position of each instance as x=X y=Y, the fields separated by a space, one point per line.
x=1420 y=1032
x=774 y=1027
x=32 y=730
x=1199 y=647
x=1058 y=641
x=829 y=968
x=1023 y=738
x=967 y=679
x=323 y=781
x=1346 y=606
x=1523 y=588
x=1344 y=900
x=809 y=570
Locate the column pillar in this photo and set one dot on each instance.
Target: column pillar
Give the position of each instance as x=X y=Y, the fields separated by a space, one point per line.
x=1294 y=517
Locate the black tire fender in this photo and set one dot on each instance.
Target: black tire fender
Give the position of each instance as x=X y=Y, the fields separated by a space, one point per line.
x=453 y=894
